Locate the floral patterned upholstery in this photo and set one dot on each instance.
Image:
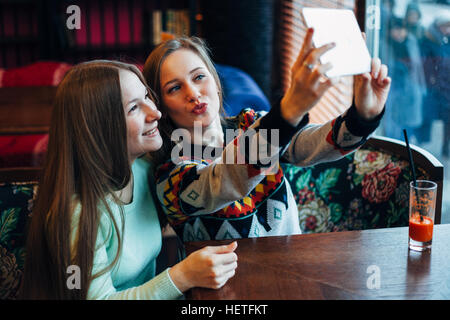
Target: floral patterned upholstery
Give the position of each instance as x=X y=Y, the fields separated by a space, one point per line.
x=16 y=200
x=367 y=189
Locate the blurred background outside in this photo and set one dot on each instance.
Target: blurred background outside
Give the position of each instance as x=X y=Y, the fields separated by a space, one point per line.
x=414 y=43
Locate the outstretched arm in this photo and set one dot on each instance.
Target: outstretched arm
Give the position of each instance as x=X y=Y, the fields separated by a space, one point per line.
x=330 y=141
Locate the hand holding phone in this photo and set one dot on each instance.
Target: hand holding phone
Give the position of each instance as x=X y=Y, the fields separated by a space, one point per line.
x=350 y=56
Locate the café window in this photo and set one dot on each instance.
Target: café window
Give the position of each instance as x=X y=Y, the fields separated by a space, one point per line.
x=412 y=38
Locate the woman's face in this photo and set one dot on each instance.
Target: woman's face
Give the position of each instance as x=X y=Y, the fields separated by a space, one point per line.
x=413 y=18
x=189 y=90
x=399 y=34
x=445 y=28
x=141 y=116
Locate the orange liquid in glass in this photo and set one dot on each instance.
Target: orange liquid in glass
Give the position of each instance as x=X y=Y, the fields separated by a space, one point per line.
x=420 y=230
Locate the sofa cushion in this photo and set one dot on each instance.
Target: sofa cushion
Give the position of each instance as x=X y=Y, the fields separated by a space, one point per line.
x=365 y=190
x=26 y=150
x=16 y=201
x=10 y=275
x=41 y=73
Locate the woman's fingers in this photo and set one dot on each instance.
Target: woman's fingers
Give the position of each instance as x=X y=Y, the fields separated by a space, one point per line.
x=319 y=71
x=305 y=50
x=223 y=271
x=320 y=86
x=376 y=66
x=308 y=55
x=222 y=249
x=220 y=282
x=325 y=85
x=303 y=92
x=312 y=69
x=383 y=74
x=314 y=56
x=225 y=258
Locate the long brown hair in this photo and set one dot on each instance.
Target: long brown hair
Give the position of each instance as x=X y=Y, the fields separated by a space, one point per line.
x=152 y=74
x=87 y=161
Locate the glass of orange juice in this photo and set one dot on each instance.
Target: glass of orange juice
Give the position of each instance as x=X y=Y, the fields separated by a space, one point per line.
x=422 y=205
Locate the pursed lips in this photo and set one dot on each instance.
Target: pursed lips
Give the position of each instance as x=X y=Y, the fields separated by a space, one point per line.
x=199 y=108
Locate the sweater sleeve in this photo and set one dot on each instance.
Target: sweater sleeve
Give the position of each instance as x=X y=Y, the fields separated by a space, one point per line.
x=331 y=141
x=102 y=287
x=160 y=287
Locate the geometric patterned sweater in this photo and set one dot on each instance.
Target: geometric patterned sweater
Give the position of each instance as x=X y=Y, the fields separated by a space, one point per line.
x=207 y=198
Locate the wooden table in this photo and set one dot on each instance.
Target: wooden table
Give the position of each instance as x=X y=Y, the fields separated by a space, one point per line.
x=370 y=264
x=26 y=110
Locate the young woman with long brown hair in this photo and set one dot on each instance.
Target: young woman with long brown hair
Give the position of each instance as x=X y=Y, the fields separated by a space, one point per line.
x=95 y=212
x=208 y=194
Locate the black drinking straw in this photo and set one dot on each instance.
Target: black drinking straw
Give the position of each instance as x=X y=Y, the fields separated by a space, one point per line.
x=413 y=170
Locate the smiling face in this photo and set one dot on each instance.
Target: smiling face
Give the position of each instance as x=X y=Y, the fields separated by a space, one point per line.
x=141 y=116
x=189 y=91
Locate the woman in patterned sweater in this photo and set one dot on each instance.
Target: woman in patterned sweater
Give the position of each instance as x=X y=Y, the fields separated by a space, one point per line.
x=224 y=184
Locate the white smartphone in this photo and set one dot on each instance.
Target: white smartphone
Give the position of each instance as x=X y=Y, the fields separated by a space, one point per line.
x=350 y=56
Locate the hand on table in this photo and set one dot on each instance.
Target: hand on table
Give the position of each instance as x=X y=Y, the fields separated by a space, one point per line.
x=209 y=267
